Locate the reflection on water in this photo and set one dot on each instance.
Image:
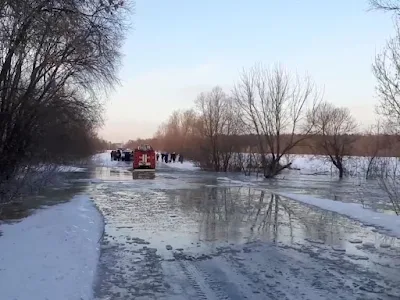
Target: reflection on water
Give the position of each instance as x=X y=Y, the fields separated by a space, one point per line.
x=239 y=214
x=148 y=221
x=246 y=213
x=143 y=175
x=213 y=215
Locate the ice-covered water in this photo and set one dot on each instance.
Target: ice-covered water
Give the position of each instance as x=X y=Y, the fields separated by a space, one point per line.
x=184 y=235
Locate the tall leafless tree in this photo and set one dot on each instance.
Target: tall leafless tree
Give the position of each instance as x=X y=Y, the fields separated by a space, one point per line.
x=387 y=71
x=56 y=57
x=376 y=148
x=335 y=133
x=273 y=105
x=219 y=122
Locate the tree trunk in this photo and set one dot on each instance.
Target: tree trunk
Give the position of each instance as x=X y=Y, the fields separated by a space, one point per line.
x=341 y=171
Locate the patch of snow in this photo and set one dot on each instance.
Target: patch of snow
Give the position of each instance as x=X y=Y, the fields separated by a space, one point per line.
x=186 y=165
x=61 y=168
x=232 y=182
x=51 y=254
x=320 y=165
x=338 y=248
x=70 y=169
x=352 y=210
x=104 y=160
x=355 y=241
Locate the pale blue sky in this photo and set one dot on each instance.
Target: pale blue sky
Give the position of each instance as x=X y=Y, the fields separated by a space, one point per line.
x=179 y=48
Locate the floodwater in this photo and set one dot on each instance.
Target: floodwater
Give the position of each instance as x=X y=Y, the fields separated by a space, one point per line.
x=349 y=189
x=184 y=235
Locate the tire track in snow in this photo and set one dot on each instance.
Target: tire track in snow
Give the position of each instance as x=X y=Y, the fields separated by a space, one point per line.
x=219 y=272
x=256 y=283
x=203 y=291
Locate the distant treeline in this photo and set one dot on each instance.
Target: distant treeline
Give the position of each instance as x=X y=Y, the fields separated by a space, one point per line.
x=363 y=145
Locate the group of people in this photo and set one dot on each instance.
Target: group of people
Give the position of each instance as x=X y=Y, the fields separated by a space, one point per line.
x=169 y=157
x=165 y=156
x=116 y=155
x=124 y=155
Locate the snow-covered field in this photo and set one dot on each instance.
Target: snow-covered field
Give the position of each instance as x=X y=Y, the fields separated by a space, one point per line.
x=51 y=254
x=321 y=165
x=355 y=166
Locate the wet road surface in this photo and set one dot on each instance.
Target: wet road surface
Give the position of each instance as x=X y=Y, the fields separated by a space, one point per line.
x=184 y=235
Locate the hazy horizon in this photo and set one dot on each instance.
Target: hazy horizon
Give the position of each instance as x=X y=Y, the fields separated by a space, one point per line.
x=179 y=49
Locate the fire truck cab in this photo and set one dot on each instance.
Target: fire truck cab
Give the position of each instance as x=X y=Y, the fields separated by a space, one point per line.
x=144 y=158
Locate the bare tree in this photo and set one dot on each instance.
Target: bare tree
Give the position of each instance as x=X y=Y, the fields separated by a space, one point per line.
x=219 y=125
x=56 y=58
x=376 y=147
x=386 y=69
x=391 y=188
x=179 y=133
x=335 y=133
x=386 y=5
x=274 y=104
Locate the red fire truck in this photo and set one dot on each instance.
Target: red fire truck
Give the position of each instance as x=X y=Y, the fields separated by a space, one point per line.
x=144 y=158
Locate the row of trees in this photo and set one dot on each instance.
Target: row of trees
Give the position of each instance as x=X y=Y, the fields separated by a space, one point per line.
x=269 y=114
x=57 y=58
x=282 y=112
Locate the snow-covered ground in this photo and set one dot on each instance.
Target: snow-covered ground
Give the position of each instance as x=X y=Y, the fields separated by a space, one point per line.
x=355 y=166
x=355 y=211
x=51 y=254
x=104 y=160
x=61 y=168
x=185 y=165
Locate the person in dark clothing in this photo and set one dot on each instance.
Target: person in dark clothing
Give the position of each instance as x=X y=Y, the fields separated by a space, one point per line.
x=162 y=156
x=180 y=158
x=157 y=156
x=112 y=154
x=166 y=158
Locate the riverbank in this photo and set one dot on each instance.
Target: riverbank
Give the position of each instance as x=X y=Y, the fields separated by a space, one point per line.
x=55 y=249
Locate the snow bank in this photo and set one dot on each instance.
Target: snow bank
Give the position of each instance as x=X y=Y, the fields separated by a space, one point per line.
x=225 y=181
x=186 y=165
x=352 y=210
x=355 y=165
x=52 y=254
x=104 y=160
x=318 y=164
x=70 y=169
x=60 y=168
x=63 y=169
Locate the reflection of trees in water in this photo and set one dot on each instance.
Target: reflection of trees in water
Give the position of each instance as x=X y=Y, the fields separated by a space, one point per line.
x=266 y=217
x=231 y=212
x=322 y=225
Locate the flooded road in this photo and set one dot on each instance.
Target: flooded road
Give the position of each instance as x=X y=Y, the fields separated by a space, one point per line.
x=184 y=235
